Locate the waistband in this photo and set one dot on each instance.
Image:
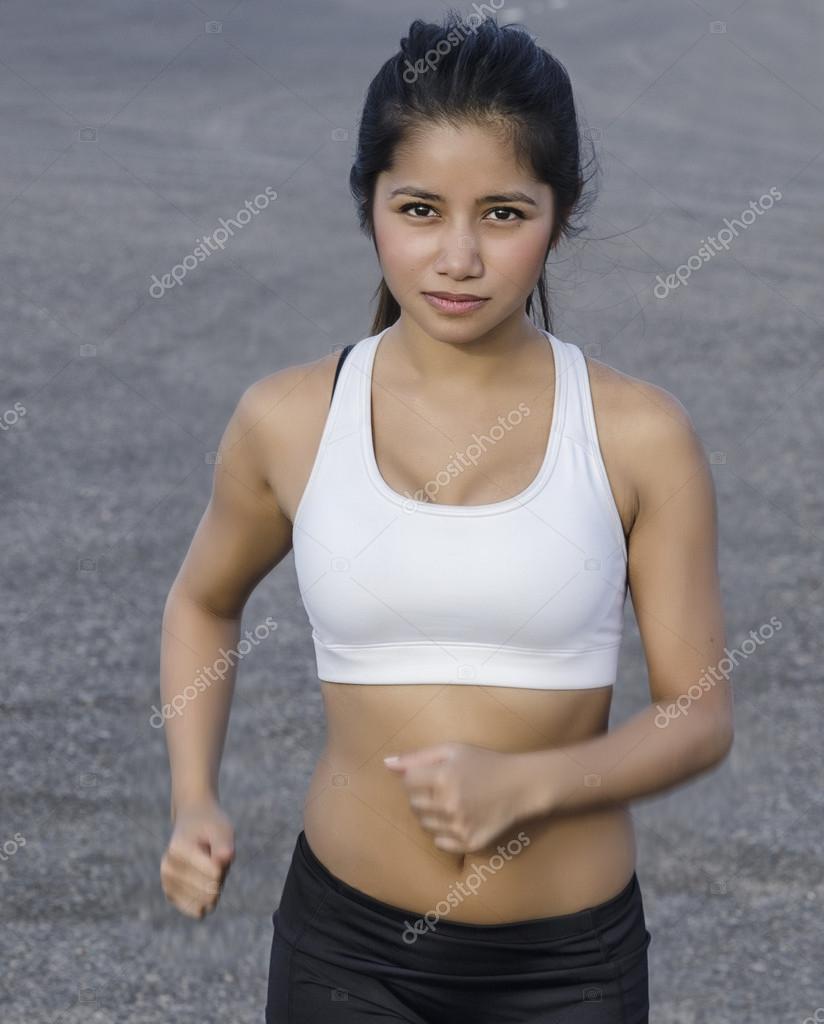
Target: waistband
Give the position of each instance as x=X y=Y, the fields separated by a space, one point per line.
x=321 y=914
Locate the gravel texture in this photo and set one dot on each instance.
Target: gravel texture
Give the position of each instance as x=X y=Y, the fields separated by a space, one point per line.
x=106 y=470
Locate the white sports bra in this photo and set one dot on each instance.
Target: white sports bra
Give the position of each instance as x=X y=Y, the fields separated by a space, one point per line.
x=525 y=592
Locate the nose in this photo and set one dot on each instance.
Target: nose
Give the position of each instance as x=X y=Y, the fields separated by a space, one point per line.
x=459 y=256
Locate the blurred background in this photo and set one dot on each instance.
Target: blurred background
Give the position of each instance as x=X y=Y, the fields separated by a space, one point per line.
x=127 y=131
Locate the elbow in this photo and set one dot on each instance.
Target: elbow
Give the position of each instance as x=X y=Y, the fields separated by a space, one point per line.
x=719 y=745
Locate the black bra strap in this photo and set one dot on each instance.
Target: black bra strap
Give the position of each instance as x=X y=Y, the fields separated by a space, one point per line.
x=343 y=356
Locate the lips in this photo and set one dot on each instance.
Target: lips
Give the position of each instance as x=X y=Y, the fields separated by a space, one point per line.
x=447 y=302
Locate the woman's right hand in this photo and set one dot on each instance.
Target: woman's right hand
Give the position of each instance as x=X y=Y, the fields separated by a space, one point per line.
x=197 y=860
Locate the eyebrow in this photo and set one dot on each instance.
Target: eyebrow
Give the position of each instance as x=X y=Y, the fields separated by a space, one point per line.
x=501 y=197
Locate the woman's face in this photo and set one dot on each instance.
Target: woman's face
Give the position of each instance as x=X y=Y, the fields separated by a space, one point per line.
x=457 y=215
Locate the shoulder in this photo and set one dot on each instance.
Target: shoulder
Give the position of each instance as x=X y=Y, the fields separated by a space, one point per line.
x=277 y=424
x=280 y=403
x=649 y=432
x=645 y=410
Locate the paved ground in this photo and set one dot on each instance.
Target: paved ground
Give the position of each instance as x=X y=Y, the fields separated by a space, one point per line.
x=122 y=395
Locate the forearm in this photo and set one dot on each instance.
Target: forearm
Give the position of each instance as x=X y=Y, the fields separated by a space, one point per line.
x=637 y=759
x=196 y=689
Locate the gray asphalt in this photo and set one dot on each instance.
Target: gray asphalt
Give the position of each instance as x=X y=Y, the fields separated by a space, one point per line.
x=128 y=130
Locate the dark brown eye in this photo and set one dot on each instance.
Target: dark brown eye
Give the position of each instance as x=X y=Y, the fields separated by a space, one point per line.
x=507 y=209
x=415 y=206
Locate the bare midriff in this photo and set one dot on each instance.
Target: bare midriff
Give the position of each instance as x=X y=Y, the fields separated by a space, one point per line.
x=359 y=824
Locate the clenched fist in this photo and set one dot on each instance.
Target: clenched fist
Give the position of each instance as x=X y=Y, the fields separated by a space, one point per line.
x=197 y=859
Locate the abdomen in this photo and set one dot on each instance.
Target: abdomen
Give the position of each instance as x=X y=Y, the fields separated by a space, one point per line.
x=359 y=824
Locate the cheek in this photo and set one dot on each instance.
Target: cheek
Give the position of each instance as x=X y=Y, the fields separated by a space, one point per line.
x=401 y=251
x=520 y=259
x=528 y=247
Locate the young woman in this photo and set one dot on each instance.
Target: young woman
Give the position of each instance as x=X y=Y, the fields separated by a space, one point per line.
x=466 y=517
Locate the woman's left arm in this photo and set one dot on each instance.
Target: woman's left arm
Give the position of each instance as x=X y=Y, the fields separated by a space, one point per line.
x=673 y=582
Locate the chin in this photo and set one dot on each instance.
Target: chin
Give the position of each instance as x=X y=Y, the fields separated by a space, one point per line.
x=464 y=329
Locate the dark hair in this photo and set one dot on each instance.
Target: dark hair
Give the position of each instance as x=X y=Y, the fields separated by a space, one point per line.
x=491 y=75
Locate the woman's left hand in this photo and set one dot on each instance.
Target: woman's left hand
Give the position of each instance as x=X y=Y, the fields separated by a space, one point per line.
x=464 y=795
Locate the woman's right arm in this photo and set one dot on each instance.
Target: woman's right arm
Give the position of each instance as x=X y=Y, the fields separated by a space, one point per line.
x=242 y=535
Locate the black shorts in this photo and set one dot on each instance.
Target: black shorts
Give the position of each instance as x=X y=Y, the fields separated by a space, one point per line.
x=339 y=956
